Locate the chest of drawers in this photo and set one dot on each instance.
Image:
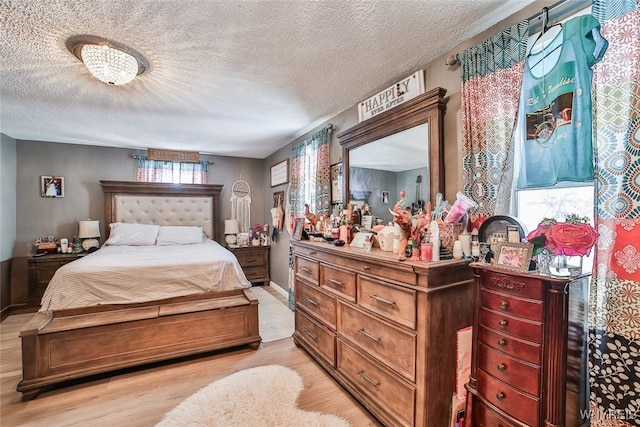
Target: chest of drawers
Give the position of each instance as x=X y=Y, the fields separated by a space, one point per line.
x=384 y=329
x=525 y=329
x=40 y=270
x=254 y=261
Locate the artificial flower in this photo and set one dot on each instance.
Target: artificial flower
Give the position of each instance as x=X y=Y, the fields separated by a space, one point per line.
x=573 y=237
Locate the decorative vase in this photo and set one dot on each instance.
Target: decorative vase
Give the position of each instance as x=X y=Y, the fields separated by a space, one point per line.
x=566 y=266
x=544 y=261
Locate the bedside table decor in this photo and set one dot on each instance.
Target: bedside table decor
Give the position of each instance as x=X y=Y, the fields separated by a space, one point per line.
x=231 y=230
x=88 y=233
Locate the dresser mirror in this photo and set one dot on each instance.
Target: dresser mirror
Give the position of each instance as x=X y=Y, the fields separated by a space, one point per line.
x=400 y=149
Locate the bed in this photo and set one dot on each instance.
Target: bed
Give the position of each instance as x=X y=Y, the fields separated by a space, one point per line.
x=93 y=326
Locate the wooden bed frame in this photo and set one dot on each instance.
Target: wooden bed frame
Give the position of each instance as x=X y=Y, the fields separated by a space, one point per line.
x=62 y=345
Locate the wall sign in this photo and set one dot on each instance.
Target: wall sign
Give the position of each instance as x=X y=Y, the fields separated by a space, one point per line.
x=173 y=156
x=280 y=173
x=396 y=94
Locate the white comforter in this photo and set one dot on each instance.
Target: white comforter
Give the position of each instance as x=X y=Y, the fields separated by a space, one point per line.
x=130 y=274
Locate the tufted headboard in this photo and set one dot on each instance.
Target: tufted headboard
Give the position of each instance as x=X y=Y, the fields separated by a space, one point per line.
x=163 y=204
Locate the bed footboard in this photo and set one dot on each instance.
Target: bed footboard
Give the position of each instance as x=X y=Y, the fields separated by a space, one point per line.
x=61 y=346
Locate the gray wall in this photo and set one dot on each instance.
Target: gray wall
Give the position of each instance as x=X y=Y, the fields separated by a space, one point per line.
x=8 y=167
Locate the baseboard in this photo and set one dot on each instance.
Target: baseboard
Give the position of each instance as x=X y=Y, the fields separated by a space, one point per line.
x=280 y=290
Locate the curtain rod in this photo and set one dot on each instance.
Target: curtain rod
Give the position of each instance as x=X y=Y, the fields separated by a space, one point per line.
x=556 y=12
x=139 y=157
x=552 y=14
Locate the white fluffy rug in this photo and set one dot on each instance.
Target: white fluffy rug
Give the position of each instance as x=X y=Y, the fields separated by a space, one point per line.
x=265 y=396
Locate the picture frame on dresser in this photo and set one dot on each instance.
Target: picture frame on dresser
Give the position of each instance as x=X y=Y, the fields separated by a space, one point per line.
x=514 y=256
x=298 y=226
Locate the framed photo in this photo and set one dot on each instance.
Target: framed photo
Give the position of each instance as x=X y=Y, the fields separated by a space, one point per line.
x=280 y=173
x=298 y=227
x=52 y=186
x=514 y=256
x=385 y=197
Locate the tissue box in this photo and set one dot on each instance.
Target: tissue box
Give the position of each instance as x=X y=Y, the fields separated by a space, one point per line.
x=449 y=233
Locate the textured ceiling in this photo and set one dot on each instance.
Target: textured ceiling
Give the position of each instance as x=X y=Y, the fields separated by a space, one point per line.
x=230 y=77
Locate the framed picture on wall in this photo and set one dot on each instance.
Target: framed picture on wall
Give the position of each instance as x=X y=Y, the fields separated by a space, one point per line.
x=280 y=173
x=52 y=186
x=385 y=197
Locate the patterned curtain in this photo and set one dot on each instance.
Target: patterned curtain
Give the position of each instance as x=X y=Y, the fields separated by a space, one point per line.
x=614 y=298
x=176 y=172
x=310 y=184
x=491 y=80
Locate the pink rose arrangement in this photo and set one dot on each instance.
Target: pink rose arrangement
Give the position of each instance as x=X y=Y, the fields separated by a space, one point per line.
x=573 y=237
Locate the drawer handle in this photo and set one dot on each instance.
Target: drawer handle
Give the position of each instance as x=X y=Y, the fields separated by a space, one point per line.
x=312 y=302
x=313 y=252
x=500 y=396
x=336 y=282
x=501 y=367
x=376 y=384
x=250 y=260
x=305 y=269
x=503 y=305
x=502 y=343
x=382 y=300
x=366 y=268
x=368 y=335
x=503 y=324
x=313 y=337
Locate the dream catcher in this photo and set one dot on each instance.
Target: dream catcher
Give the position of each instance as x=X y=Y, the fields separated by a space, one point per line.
x=241 y=204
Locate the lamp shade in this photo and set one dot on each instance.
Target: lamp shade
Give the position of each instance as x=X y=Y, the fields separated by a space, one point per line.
x=88 y=229
x=231 y=226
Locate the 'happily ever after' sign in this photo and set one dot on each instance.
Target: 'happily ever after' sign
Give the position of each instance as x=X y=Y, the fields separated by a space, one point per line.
x=400 y=92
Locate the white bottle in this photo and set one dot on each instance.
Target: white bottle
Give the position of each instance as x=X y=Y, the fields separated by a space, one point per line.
x=435 y=240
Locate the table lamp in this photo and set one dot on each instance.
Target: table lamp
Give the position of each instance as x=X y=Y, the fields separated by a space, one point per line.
x=231 y=228
x=88 y=232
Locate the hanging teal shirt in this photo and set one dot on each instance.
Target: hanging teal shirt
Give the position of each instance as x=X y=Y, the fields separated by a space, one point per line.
x=555 y=105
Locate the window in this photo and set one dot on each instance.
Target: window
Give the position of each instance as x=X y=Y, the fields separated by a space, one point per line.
x=172 y=172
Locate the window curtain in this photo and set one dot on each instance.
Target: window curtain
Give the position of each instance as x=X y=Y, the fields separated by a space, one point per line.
x=491 y=80
x=310 y=184
x=614 y=297
x=176 y=172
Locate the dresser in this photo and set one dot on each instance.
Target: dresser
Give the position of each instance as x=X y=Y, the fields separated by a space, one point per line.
x=384 y=329
x=254 y=261
x=529 y=349
x=40 y=270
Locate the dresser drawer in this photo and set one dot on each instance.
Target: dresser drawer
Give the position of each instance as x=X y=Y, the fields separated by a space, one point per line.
x=504 y=303
x=512 y=371
x=317 y=336
x=525 y=329
x=307 y=269
x=513 y=402
x=399 y=272
x=523 y=287
x=391 y=345
x=252 y=273
x=392 y=302
x=316 y=302
x=485 y=417
x=251 y=257
x=393 y=395
x=340 y=282
x=524 y=350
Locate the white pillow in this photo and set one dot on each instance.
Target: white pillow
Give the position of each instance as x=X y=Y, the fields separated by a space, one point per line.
x=132 y=234
x=179 y=235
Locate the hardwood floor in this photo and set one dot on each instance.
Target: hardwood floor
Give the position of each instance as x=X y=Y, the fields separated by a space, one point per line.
x=140 y=397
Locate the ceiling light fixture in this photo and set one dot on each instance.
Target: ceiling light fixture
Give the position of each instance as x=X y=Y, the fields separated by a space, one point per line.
x=109 y=61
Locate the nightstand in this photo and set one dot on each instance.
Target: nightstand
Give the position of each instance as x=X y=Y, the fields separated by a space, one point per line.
x=254 y=261
x=41 y=270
